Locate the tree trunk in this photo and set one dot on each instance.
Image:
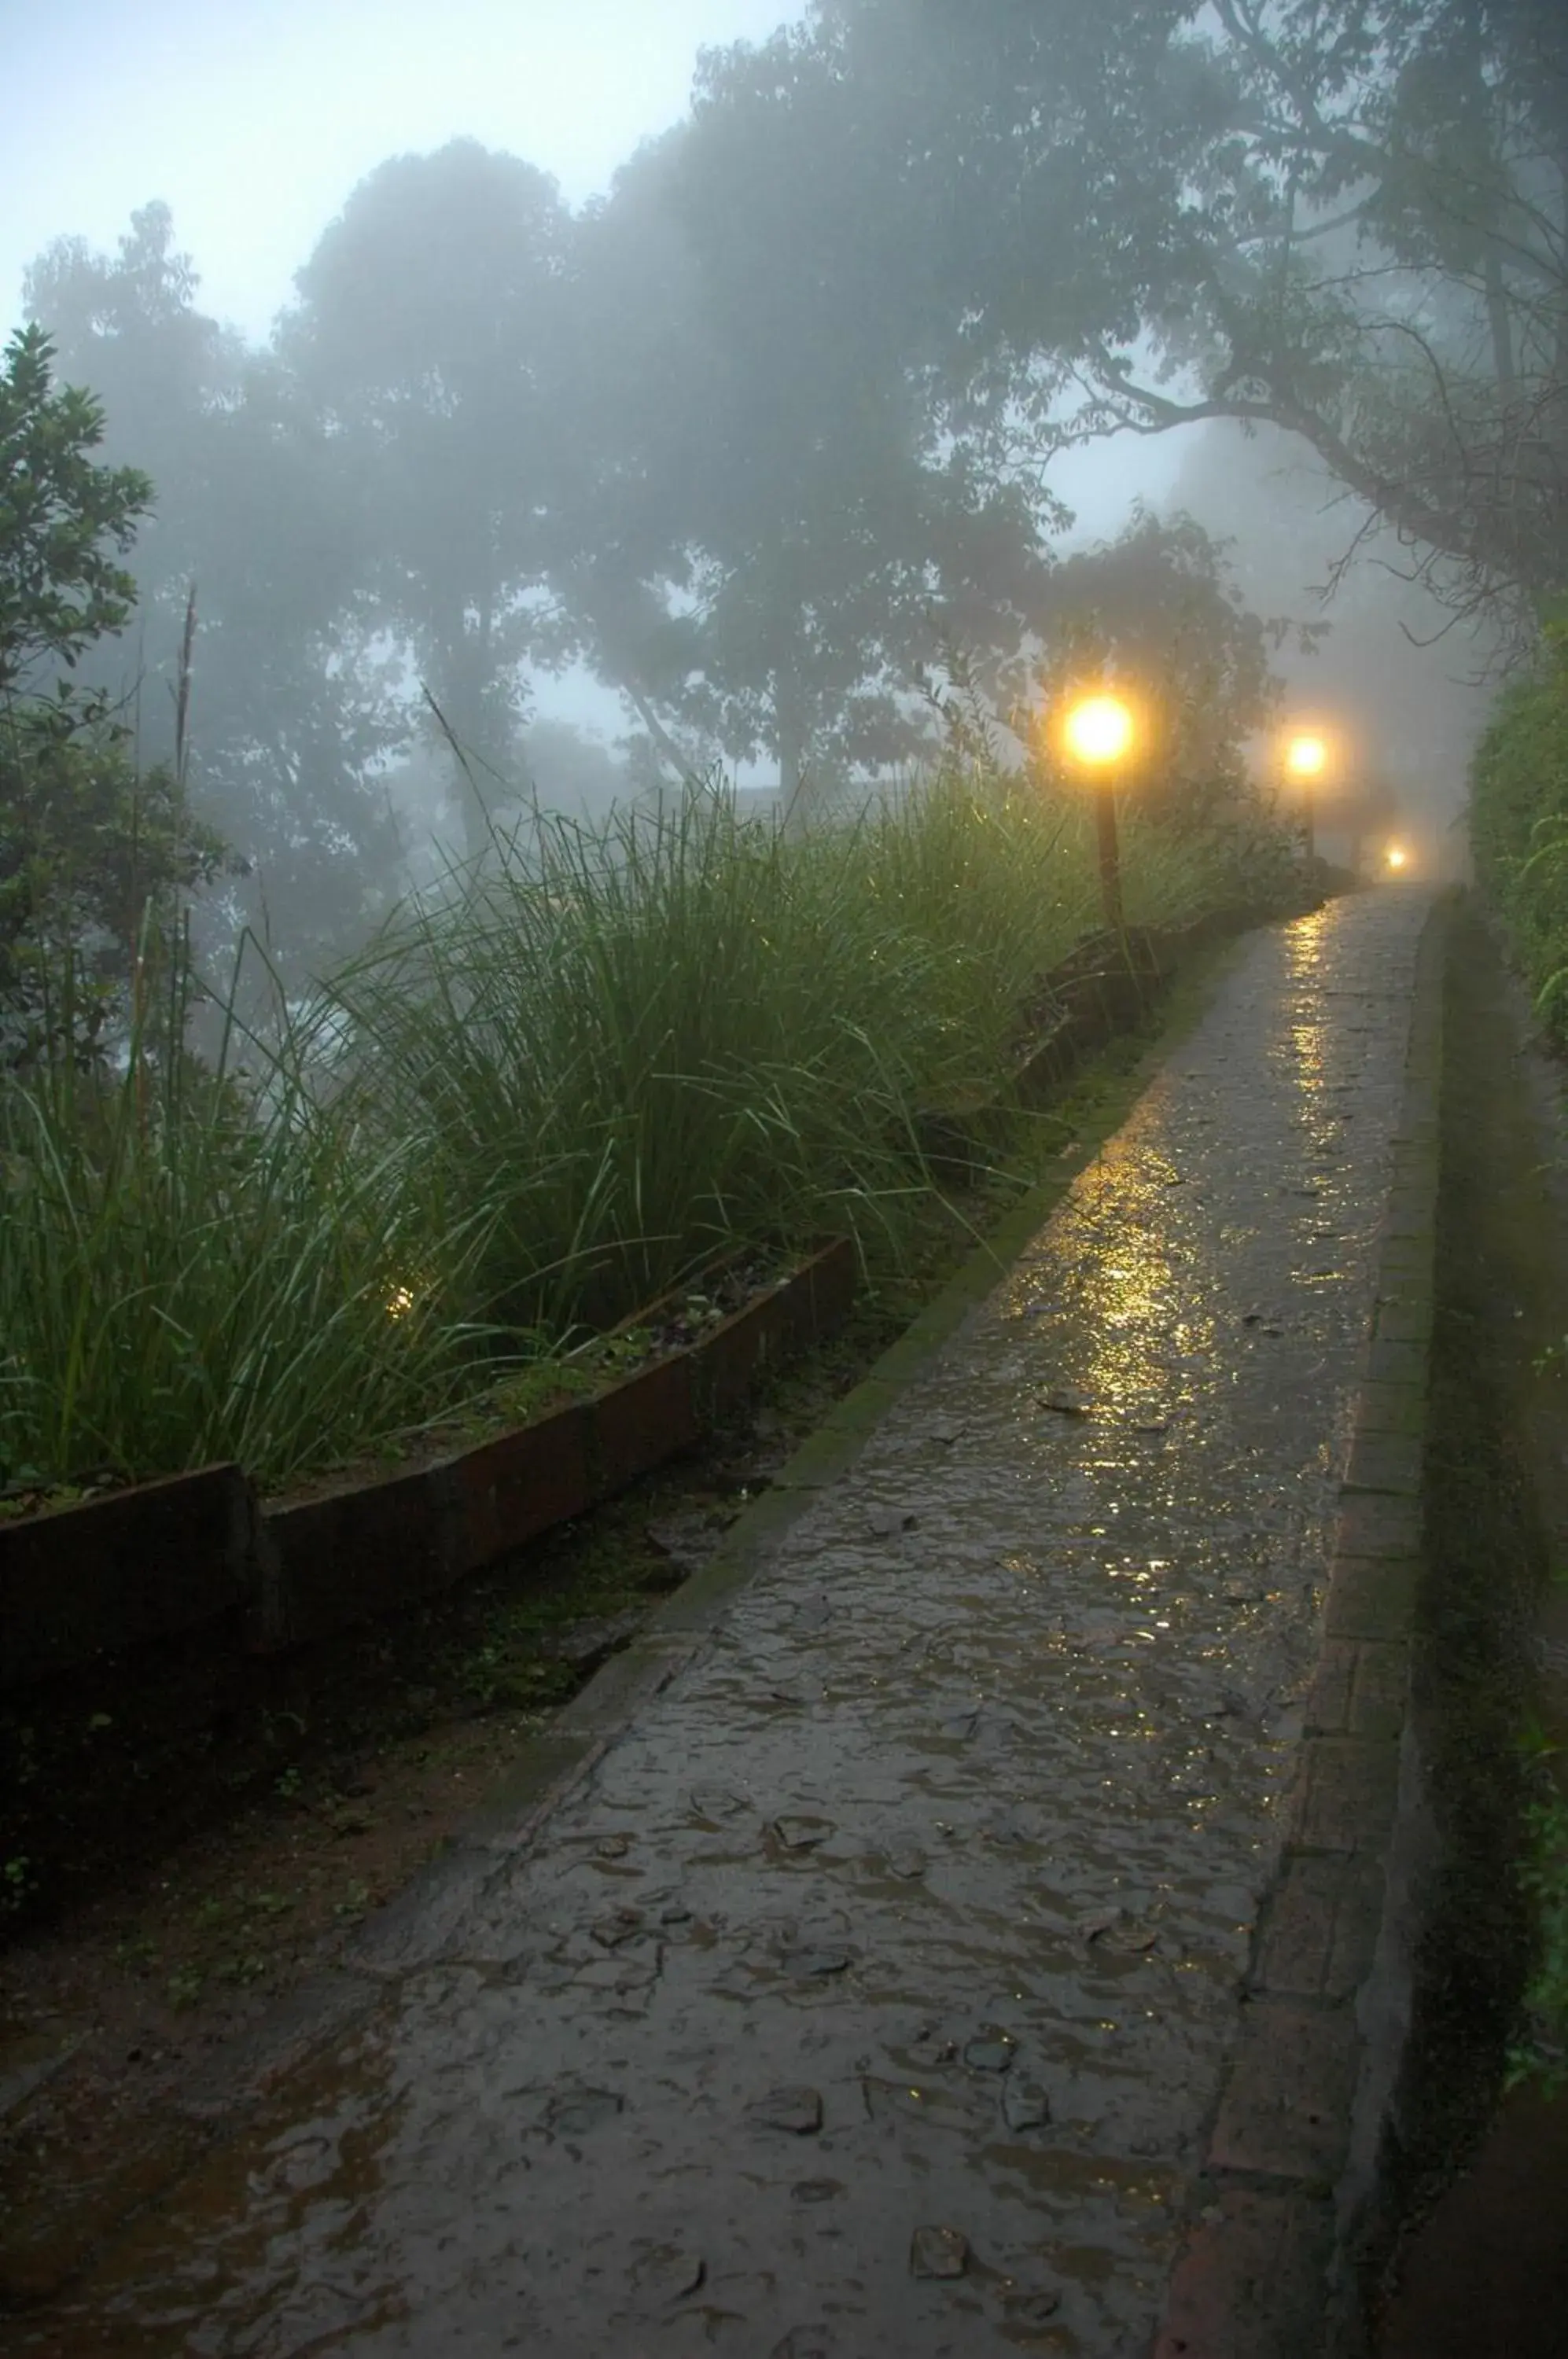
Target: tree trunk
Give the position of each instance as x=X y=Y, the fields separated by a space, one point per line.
x=1501 y=325
x=678 y=762
x=795 y=795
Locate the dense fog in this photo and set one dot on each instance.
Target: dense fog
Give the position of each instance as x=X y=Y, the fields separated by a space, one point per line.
x=927 y=345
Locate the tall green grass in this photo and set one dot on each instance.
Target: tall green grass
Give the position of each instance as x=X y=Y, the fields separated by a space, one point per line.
x=1518 y=821
x=537 y=1100
x=192 y=1269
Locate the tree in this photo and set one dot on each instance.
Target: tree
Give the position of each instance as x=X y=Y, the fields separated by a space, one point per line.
x=58 y=588
x=128 y=325
x=429 y=317
x=1345 y=218
x=1403 y=306
x=1404 y=693
x=297 y=705
x=1158 y=608
x=255 y=504
x=772 y=535
x=87 y=846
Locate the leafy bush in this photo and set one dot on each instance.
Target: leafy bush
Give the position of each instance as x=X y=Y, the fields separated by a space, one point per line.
x=1543 y=2054
x=1520 y=833
x=89 y=846
x=91 y=849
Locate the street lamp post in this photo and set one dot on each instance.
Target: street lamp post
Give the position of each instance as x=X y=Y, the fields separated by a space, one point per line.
x=1306 y=758
x=1098 y=734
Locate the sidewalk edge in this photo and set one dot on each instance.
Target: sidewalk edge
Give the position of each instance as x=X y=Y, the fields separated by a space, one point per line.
x=1264 y=2270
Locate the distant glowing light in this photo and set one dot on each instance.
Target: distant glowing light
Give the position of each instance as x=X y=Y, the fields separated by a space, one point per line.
x=1099 y=730
x=1306 y=757
x=399 y=1302
x=1397 y=857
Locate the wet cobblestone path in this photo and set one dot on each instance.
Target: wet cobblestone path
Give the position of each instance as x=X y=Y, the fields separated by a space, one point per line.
x=869 y=1994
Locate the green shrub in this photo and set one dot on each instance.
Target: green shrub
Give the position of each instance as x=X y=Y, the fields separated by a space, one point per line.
x=1519 y=821
x=1544 y=2055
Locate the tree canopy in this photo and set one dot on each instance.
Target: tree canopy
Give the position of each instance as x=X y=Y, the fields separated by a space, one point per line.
x=1345 y=218
x=88 y=843
x=760 y=434
x=254 y=505
x=60 y=589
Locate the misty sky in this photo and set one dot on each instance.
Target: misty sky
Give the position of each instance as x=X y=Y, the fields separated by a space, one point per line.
x=254 y=118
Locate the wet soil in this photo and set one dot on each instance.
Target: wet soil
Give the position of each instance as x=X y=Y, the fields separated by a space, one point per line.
x=1477 y=2180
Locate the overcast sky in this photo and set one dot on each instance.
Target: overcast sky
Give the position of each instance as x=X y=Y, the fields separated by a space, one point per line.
x=254 y=118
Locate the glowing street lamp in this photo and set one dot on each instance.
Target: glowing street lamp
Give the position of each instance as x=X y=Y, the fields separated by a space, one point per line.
x=1306 y=759
x=1397 y=857
x=1098 y=734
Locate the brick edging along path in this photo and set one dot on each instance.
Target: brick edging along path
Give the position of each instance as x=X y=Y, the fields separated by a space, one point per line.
x=1292 y=2153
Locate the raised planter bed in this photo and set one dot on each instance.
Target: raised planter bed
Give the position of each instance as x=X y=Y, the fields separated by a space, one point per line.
x=149 y=1563
x=164 y=1558
x=368 y=1548
x=643 y=1420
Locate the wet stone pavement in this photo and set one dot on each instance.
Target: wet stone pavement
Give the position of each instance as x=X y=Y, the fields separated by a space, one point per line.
x=870 y=1993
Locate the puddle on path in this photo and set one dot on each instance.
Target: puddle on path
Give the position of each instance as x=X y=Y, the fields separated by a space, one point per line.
x=870 y=1997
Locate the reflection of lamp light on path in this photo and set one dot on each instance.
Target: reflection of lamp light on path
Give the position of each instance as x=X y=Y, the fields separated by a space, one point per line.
x=1306 y=759
x=1098 y=734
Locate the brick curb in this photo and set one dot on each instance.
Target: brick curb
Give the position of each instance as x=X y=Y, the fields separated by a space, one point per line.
x=1265 y=2271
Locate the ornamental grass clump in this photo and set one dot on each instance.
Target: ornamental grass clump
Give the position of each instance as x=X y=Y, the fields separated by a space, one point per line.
x=632 y=1048
x=193 y=1269
x=996 y=873
x=565 y=1083
x=639 y=1046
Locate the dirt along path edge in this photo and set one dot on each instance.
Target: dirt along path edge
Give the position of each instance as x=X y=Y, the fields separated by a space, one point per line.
x=1266 y=2269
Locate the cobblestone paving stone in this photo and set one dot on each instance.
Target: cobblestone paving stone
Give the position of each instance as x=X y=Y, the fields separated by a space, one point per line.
x=870 y=1995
